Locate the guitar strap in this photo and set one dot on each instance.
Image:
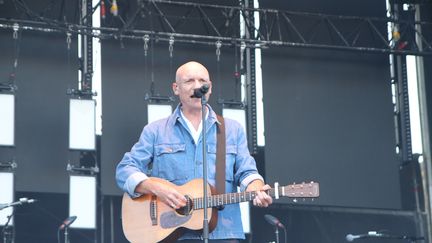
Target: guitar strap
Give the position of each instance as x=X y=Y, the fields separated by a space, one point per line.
x=220 y=156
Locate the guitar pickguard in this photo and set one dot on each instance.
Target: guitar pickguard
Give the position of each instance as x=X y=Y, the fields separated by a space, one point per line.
x=171 y=219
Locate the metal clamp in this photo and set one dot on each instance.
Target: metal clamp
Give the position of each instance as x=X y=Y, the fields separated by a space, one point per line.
x=171 y=46
x=68 y=40
x=146 y=39
x=242 y=46
x=218 y=52
x=8 y=166
x=15 y=30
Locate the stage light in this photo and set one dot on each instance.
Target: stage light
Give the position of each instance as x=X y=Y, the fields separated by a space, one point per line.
x=7 y=120
x=82 y=201
x=6 y=195
x=239 y=115
x=159 y=111
x=82 y=124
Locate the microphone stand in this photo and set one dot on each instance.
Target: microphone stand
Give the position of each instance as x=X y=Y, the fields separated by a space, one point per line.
x=66 y=234
x=277 y=234
x=7 y=235
x=205 y=220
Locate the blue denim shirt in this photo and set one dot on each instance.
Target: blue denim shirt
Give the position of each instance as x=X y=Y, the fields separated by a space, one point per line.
x=168 y=143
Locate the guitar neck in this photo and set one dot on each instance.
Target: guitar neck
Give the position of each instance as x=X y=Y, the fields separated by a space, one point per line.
x=303 y=190
x=229 y=198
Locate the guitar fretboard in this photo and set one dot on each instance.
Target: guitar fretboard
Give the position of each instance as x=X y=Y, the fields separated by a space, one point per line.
x=230 y=198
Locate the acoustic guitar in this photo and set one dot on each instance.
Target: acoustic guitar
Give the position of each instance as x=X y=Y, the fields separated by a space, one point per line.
x=146 y=219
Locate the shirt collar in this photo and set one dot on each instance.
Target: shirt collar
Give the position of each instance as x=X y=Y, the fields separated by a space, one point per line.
x=176 y=116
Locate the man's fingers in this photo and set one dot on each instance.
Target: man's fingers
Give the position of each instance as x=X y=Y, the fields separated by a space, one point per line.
x=176 y=200
x=266 y=187
x=180 y=200
x=262 y=199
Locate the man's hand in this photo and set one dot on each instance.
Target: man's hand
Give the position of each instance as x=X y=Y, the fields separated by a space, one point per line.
x=169 y=195
x=261 y=199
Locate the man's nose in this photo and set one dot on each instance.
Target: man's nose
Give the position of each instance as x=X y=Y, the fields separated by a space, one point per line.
x=197 y=83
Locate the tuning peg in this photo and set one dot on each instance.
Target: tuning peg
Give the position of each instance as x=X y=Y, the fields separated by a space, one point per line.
x=295 y=200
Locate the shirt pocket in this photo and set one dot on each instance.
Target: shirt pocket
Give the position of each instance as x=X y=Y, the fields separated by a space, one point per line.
x=170 y=162
x=231 y=153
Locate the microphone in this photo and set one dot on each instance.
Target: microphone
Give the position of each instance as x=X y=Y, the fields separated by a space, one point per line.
x=20 y=201
x=273 y=221
x=199 y=92
x=67 y=222
x=370 y=234
x=31 y=201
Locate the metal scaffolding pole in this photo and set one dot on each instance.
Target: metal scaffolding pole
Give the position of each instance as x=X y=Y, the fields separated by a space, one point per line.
x=425 y=166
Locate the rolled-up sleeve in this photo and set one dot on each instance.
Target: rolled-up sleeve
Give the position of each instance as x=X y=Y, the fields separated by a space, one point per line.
x=246 y=181
x=245 y=165
x=132 y=182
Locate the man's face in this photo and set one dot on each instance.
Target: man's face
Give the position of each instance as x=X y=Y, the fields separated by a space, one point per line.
x=191 y=76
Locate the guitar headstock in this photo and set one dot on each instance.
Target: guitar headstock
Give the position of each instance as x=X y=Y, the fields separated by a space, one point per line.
x=301 y=190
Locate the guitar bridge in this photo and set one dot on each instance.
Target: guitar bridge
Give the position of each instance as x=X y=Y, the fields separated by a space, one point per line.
x=153 y=210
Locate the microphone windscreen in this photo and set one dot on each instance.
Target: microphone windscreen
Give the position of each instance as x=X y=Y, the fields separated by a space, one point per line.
x=270 y=219
x=349 y=237
x=205 y=88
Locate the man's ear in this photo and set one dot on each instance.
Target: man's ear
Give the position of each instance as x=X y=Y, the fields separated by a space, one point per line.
x=175 y=88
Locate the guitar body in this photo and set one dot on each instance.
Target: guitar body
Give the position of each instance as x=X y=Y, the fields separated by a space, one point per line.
x=146 y=219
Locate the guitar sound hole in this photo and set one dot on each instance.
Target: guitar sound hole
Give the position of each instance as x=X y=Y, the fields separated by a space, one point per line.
x=186 y=210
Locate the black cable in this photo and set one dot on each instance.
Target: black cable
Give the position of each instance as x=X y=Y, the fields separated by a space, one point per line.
x=68 y=43
x=146 y=49
x=152 y=83
x=219 y=83
x=17 y=39
x=236 y=74
x=171 y=51
x=76 y=11
x=62 y=10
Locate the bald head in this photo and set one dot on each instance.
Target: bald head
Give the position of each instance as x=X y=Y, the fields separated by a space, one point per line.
x=191 y=76
x=191 y=68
